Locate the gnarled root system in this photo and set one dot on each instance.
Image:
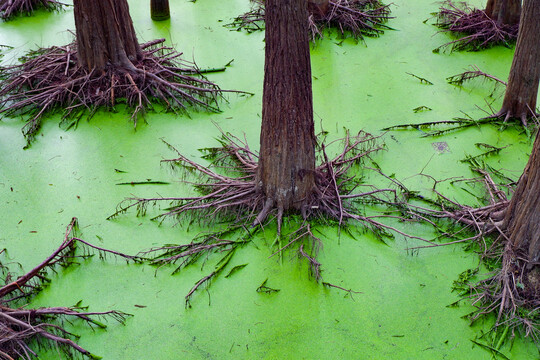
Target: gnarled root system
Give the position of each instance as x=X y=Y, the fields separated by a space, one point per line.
x=479 y=30
x=51 y=79
x=11 y=8
x=356 y=17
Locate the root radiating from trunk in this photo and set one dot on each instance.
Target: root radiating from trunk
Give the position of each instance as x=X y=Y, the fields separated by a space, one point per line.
x=501 y=118
x=506 y=114
x=51 y=79
x=479 y=30
x=512 y=291
x=12 y=8
x=20 y=327
x=231 y=195
x=358 y=18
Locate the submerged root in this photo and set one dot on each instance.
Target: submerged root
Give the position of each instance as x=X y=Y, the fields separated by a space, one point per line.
x=479 y=29
x=51 y=79
x=358 y=18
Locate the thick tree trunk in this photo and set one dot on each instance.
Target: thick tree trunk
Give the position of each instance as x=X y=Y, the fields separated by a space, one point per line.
x=522 y=220
x=522 y=90
x=105 y=34
x=287 y=152
x=159 y=10
x=504 y=11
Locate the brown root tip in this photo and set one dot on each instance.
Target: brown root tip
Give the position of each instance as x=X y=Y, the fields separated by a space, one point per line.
x=264 y=212
x=524 y=120
x=279 y=220
x=507 y=117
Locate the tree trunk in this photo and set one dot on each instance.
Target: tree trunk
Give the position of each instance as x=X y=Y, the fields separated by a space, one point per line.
x=105 y=34
x=522 y=90
x=522 y=220
x=504 y=11
x=287 y=152
x=159 y=10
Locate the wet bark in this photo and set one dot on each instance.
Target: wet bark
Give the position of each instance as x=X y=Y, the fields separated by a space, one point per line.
x=504 y=11
x=105 y=34
x=522 y=220
x=287 y=153
x=522 y=90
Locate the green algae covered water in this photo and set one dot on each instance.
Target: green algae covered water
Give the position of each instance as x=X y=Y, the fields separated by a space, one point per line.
x=401 y=310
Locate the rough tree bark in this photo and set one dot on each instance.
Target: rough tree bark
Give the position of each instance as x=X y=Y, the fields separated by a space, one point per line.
x=504 y=11
x=522 y=219
x=105 y=34
x=287 y=151
x=522 y=90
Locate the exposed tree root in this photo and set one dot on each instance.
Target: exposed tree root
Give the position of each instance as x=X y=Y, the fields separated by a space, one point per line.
x=479 y=29
x=456 y=124
x=504 y=113
x=512 y=292
x=358 y=18
x=20 y=326
x=237 y=199
x=507 y=115
x=500 y=118
x=51 y=79
x=475 y=73
x=11 y=8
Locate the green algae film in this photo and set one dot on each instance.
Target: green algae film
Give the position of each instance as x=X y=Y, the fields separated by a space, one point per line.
x=401 y=310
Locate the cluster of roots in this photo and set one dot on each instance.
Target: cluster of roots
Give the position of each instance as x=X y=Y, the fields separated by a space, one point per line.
x=52 y=79
x=358 y=18
x=512 y=292
x=22 y=329
x=11 y=8
x=478 y=29
x=232 y=195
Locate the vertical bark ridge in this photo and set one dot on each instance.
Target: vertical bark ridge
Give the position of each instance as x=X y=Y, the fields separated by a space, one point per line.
x=287 y=154
x=522 y=90
x=522 y=218
x=504 y=11
x=105 y=34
